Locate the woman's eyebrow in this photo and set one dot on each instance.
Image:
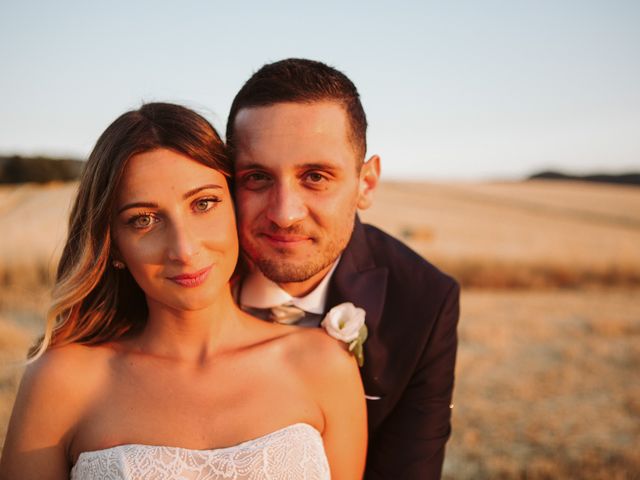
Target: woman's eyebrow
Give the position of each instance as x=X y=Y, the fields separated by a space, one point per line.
x=137 y=205
x=192 y=192
x=155 y=205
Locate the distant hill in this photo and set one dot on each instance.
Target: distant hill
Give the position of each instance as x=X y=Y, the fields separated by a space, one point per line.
x=621 y=179
x=18 y=169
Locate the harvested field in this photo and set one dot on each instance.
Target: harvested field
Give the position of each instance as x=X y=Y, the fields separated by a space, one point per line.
x=33 y=223
x=550 y=327
x=547 y=386
x=539 y=234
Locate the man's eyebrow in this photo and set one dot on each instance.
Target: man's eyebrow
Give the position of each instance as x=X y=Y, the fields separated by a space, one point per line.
x=318 y=166
x=250 y=166
x=301 y=166
x=188 y=194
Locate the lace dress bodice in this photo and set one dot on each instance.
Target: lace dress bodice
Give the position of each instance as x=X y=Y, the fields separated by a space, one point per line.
x=293 y=452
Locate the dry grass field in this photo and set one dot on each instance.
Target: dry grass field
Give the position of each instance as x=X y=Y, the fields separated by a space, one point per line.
x=547 y=386
x=547 y=383
x=519 y=234
x=33 y=221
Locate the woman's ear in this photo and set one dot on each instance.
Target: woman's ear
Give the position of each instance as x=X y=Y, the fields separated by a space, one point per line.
x=115 y=258
x=369 y=177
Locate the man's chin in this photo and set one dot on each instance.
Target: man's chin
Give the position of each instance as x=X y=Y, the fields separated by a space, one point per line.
x=288 y=272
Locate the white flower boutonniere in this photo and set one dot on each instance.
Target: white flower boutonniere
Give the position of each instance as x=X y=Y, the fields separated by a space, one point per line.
x=345 y=322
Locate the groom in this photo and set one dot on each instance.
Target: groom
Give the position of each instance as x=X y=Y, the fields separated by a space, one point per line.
x=297 y=134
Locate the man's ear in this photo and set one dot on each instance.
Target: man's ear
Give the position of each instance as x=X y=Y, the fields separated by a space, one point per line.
x=369 y=177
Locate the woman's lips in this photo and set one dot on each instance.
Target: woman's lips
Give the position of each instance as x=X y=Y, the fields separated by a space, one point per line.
x=191 y=279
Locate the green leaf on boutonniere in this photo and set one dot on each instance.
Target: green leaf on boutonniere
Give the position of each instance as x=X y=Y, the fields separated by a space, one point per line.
x=356 y=347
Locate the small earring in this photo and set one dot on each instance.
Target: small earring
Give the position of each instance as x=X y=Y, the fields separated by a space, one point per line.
x=117 y=264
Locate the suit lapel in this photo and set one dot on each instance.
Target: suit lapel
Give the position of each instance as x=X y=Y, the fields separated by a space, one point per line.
x=358 y=280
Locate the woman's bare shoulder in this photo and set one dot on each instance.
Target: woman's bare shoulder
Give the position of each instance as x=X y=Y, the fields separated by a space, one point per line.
x=64 y=371
x=319 y=356
x=53 y=394
x=311 y=352
x=67 y=360
x=331 y=374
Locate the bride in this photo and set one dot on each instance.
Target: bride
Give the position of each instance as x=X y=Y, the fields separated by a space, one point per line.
x=148 y=368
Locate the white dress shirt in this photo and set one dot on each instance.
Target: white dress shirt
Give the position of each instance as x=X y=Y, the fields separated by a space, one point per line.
x=258 y=291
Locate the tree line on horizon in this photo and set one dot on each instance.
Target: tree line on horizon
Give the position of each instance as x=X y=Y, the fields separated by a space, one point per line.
x=631 y=178
x=18 y=169
x=40 y=169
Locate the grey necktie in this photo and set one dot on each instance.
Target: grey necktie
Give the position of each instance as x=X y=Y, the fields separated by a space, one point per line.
x=287 y=314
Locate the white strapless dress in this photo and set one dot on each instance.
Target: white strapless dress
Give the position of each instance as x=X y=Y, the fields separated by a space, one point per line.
x=293 y=452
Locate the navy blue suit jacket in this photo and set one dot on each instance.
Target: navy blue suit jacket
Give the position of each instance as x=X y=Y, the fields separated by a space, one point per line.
x=412 y=313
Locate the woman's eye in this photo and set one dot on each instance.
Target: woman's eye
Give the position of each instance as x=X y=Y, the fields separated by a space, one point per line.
x=205 y=204
x=142 y=221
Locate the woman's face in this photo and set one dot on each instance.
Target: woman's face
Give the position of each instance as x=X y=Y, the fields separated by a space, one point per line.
x=174 y=228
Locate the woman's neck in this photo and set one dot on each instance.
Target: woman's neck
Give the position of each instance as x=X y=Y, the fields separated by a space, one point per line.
x=191 y=336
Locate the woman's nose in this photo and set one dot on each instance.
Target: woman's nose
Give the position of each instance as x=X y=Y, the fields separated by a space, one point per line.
x=183 y=243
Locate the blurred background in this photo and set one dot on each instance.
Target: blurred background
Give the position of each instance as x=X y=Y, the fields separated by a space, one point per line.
x=509 y=133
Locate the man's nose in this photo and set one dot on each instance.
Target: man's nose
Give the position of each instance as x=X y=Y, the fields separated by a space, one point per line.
x=182 y=244
x=286 y=206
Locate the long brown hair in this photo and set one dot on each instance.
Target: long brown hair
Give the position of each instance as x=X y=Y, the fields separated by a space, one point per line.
x=93 y=302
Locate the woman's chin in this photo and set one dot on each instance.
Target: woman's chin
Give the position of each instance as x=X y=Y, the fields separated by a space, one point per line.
x=188 y=299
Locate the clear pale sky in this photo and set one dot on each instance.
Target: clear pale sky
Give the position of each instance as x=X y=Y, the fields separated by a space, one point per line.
x=452 y=89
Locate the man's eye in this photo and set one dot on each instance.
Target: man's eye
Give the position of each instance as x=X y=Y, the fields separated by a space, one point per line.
x=255 y=180
x=315 y=177
x=205 y=204
x=257 y=177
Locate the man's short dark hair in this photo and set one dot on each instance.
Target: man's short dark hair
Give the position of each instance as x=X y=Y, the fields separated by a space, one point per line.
x=300 y=80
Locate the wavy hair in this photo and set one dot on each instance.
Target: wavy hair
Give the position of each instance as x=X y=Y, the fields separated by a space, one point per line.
x=93 y=302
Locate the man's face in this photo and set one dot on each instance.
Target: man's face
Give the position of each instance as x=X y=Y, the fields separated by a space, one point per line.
x=297 y=189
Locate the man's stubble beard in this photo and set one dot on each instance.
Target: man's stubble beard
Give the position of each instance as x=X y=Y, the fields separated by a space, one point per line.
x=280 y=270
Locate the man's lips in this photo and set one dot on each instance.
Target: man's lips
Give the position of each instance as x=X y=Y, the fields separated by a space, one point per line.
x=191 y=279
x=286 y=239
